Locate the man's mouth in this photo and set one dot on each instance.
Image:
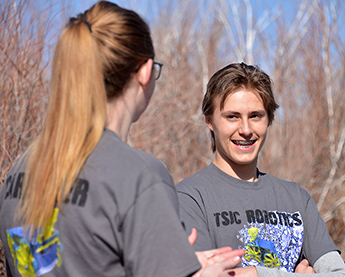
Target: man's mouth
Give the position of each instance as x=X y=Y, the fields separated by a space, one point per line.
x=244 y=144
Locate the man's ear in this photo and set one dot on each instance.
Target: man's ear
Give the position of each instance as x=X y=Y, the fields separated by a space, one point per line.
x=208 y=120
x=144 y=73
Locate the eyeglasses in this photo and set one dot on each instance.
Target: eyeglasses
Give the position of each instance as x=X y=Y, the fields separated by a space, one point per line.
x=157 y=68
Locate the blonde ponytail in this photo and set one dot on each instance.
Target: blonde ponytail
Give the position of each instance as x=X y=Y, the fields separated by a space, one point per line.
x=73 y=127
x=94 y=58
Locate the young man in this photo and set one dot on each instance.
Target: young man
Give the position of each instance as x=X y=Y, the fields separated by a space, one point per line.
x=232 y=203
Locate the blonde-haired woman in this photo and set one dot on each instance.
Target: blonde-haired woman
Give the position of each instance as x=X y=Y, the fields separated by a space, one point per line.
x=81 y=202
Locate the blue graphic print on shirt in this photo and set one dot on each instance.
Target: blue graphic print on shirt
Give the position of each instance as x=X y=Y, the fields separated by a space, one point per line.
x=273 y=246
x=39 y=255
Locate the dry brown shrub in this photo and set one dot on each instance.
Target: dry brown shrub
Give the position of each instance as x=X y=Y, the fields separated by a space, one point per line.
x=194 y=40
x=25 y=35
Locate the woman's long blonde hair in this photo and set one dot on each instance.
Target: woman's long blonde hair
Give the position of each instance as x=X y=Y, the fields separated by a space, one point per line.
x=94 y=59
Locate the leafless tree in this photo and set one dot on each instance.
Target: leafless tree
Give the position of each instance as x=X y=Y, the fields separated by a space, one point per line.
x=25 y=41
x=304 y=56
x=303 y=53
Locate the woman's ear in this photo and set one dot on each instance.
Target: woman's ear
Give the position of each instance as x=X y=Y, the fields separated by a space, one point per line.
x=144 y=73
x=208 y=120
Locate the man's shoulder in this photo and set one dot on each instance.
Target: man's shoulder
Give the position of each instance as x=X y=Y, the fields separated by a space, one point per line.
x=196 y=182
x=288 y=186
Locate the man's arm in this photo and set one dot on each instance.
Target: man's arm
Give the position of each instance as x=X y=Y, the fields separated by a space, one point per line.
x=304 y=267
x=329 y=265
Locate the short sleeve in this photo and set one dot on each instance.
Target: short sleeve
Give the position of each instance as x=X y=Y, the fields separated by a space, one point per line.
x=2 y=194
x=193 y=216
x=155 y=243
x=316 y=241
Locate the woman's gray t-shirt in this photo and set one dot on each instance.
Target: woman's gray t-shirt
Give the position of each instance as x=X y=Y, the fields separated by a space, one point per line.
x=121 y=219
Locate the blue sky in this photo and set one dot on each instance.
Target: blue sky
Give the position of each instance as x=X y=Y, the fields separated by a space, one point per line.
x=141 y=6
x=149 y=8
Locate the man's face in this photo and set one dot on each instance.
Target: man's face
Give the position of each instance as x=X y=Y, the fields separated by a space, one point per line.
x=240 y=129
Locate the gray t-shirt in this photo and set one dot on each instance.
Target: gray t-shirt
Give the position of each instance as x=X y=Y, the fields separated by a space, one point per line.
x=121 y=219
x=276 y=222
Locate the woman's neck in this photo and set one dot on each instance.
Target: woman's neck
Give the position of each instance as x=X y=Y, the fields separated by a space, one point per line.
x=124 y=110
x=119 y=118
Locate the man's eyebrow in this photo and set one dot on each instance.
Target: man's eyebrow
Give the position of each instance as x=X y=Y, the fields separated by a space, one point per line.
x=237 y=113
x=230 y=111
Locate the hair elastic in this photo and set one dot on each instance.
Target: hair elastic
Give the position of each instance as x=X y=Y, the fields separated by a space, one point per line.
x=87 y=23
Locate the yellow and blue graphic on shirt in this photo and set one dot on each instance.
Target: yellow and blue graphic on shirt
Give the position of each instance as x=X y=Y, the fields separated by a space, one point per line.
x=261 y=250
x=38 y=255
x=272 y=245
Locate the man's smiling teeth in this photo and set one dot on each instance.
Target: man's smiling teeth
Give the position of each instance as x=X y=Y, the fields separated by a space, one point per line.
x=244 y=144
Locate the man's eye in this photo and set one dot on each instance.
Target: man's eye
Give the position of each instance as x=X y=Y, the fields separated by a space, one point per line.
x=255 y=116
